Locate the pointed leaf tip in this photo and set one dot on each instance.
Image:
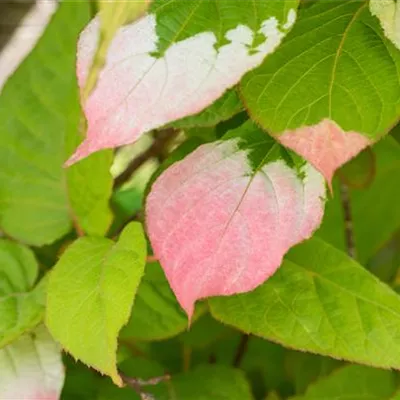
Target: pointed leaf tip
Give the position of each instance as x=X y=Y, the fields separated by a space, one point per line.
x=325 y=145
x=220 y=228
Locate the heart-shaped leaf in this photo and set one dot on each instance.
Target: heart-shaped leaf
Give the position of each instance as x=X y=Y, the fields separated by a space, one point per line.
x=174 y=62
x=321 y=301
x=333 y=86
x=221 y=220
x=90 y=296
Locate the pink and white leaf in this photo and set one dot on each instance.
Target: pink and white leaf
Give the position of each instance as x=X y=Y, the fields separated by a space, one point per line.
x=138 y=91
x=325 y=145
x=220 y=228
x=31 y=368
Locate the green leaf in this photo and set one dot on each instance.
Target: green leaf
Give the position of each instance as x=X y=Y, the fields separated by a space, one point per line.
x=210 y=382
x=332 y=228
x=156 y=314
x=18 y=267
x=137 y=368
x=21 y=308
x=396 y=396
x=31 y=367
x=353 y=382
x=272 y=396
x=90 y=296
x=41 y=107
x=321 y=301
x=38 y=107
x=305 y=368
x=359 y=172
x=374 y=209
x=224 y=108
x=90 y=187
x=179 y=19
x=20 y=312
x=81 y=383
x=336 y=63
x=205 y=331
x=264 y=364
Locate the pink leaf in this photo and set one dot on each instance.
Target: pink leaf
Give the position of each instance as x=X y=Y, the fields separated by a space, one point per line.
x=219 y=227
x=325 y=145
x=138 y=91
x=31 y=368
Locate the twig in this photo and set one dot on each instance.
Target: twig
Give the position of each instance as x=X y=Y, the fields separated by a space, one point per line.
x=137 y=384
x=151 y=258
x=187 y=355
x=241 y=350
x=348 y=221
x=163 y=138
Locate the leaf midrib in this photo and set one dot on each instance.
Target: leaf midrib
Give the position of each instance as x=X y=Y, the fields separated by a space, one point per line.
x=339 y=53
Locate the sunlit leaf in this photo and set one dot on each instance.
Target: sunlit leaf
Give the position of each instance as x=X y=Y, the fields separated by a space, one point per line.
x=221 y=220
x=90 y=295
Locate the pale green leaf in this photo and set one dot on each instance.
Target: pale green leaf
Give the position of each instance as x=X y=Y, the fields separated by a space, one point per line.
x=40 y=114
x=31 y=368
x=21 y=308
x=90 y=295
x=89 y=189
x=113 y=14
x=335 y=64
x=388 y=12
x=321 y=301
x=353 y=382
